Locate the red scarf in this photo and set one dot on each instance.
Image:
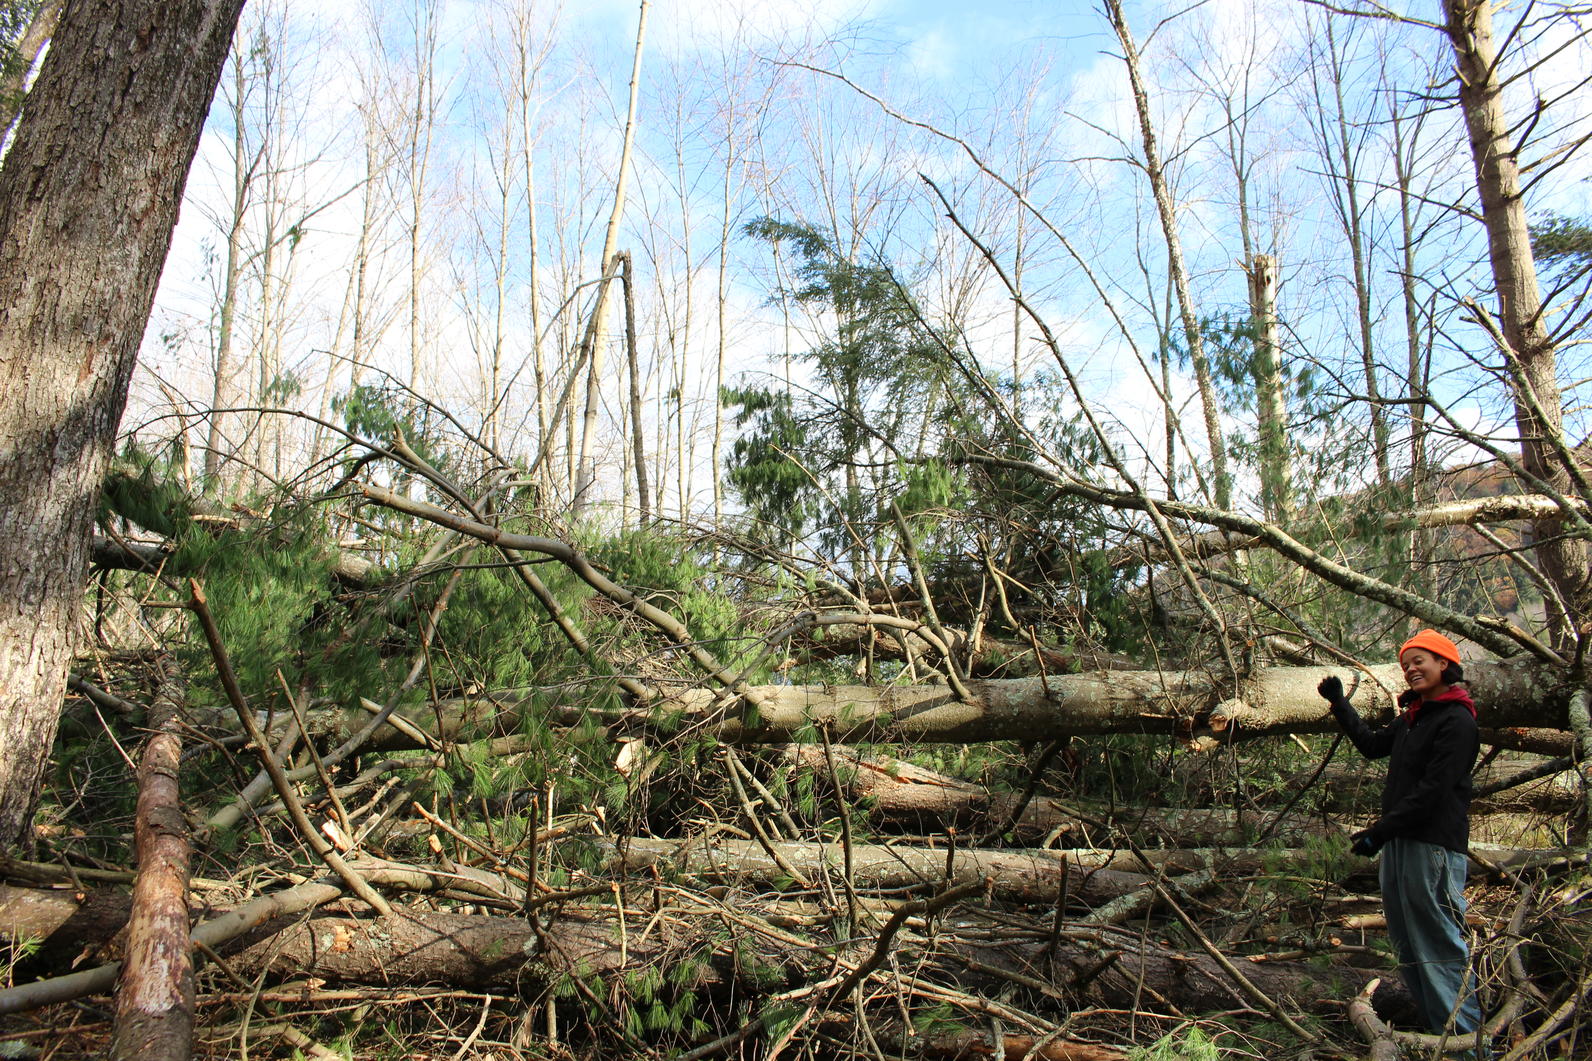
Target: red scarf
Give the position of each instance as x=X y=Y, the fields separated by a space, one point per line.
x=1412 y=702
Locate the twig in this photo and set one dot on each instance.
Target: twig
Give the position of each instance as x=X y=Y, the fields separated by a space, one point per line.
x=255 y=996
x=1282 y=815
x=1551 y=1026
x=881 y=948
x=909 y=547
x=580 y=566
x=330 y=785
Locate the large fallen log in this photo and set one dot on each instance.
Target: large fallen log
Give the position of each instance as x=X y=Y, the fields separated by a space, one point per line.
x=1090 y=875
x=1099 y=966
x=1275 y=700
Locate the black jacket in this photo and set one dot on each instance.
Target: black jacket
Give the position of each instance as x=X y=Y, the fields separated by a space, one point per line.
x=1428 y=788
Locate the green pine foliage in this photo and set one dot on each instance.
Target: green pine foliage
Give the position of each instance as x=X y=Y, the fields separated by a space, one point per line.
x=144 y=488
x=888 y=418
x=1188 y=1043
x=268 y=588
x=1562 y=241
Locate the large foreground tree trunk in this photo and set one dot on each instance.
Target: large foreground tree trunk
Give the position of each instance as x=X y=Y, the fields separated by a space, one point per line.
x=88 y=197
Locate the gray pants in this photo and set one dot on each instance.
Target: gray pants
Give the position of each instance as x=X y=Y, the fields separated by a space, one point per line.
x=1423 y=891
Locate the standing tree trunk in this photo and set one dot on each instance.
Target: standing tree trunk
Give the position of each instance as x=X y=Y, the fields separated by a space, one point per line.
x=1341 y=156
x=1529 y=349
x=1271 y=403
x=88 y=198
x=585 y=467
x=637 y=438
x=1405 y=144
x=223 y=391
x=422 y=124
x=1162 y=191
x=14 y=85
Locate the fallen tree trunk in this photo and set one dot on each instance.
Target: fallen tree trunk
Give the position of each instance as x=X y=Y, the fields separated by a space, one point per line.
x=1099 y=966
x=224 y=927
x=1012 y=1047
x=990 y=658
x=155 y=998
x=1276 y=700
x=1499 y=508
x=1090 y=875
x=930 y=802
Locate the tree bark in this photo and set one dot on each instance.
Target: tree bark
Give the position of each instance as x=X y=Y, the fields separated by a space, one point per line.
x=638 y=438
x=1271 y=403
x=89 y=194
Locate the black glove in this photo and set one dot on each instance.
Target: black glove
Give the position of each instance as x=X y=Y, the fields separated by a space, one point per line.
x=1365 y=844
x=1331 y=690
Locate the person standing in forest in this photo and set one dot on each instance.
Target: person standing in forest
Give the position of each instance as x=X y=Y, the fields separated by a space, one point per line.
x=1424 y=831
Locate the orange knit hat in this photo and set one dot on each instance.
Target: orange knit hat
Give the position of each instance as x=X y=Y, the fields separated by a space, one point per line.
x=1433 y=642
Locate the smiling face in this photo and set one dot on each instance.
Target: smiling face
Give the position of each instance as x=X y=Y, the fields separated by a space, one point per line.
x=1423 y=672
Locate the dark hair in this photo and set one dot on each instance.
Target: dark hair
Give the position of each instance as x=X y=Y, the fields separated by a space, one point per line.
x=1451 y=674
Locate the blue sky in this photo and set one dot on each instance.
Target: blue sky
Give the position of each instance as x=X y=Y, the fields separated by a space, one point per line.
x=1036 y=86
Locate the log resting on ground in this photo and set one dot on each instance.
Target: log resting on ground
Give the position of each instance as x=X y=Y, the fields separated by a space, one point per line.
x=1091 y=875
x=155 y=998
x=1274 y=700
x=1099 y=966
